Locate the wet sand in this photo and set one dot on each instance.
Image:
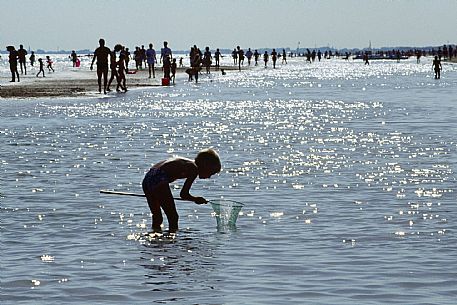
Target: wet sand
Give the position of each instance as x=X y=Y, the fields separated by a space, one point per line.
x=79 y=83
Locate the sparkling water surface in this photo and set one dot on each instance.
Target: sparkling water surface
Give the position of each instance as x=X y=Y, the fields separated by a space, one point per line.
x=346 y=171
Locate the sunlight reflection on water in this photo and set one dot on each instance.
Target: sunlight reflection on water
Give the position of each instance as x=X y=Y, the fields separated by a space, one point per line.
x=346 y=173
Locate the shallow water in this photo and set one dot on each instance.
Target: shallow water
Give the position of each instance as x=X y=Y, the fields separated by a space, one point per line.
x=347 y=174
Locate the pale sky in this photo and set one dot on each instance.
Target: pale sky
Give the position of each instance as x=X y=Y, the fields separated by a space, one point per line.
x=78 y=24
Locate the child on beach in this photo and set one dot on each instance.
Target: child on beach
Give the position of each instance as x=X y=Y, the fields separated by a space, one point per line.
x=173 y=70
x=156 y=184
x=40 y=61
x=49 y=62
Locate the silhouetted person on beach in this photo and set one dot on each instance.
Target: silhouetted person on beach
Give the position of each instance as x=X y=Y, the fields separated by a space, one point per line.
x=235 y=56
x=32 y=59
x=12 y=59
x=74 y=58
x=173 y=70
x=21 y=53
x=121 y=73
x=207 y=59
x=365 y=58
x=113 y=69
x=274 y=56
x=284 y=57
x=217 y=56
x=256 y=57
x=249 y=56
x=240 y=53
x=265 y=58
x=101 y=54
x=151 y=59
x=165 y=51
x=437 y=67
x=166 y=66
x=41 y=63
x=49 y=62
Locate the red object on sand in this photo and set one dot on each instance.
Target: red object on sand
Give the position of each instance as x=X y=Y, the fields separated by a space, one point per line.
x=165 y=81
x=131 y=72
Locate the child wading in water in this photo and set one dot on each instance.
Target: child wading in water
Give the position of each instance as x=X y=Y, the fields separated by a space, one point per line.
x=157 y=190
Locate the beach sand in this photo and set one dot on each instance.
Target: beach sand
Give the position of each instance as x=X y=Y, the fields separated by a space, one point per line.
x=79 y=82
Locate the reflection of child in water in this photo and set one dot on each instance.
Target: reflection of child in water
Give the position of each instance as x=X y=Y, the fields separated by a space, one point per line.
x=157 y=190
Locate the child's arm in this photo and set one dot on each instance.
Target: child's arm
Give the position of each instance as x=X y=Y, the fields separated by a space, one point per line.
x=185 y=191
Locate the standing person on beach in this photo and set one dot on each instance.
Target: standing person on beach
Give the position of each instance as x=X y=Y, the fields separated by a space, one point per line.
x=173 y=70
x=256 y=57
x=249 y=56
x=101 y=54
x=240 y=53
x=265 y=58
x=73 y=58
x=217 y=56
x=274 y=57
x=21 y=53
x=207 y=59
x=284 y=57
x=437 y=67
x=166 y=67
x=32 y=59
x=12 y=59
x=234 y=56
x=165 y=51
x=151 y=58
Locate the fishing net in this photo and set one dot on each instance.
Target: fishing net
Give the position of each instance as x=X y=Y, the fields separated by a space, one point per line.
x=226 y=212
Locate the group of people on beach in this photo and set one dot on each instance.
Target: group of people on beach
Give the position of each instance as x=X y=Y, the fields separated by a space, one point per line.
x=19 y=56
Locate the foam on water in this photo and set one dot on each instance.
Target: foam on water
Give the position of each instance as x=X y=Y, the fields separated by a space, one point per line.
x=347 y=173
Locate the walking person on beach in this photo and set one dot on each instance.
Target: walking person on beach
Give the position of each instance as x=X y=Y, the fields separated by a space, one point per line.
x=101 y=54
x=113 y=69
x=12 y=59
x=436 y=65
x=21 y=53
x=157 y=189
x=41 y=63
x=121 y=73
x=49 y=62
x=151 y=59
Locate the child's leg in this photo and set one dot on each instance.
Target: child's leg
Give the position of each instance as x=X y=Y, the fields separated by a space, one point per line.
x=154 y=207
x=165 y=197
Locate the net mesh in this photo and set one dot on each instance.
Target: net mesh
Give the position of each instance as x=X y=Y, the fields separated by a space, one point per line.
x=226 y=212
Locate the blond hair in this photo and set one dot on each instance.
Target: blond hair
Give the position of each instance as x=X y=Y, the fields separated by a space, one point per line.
x=207 y=157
